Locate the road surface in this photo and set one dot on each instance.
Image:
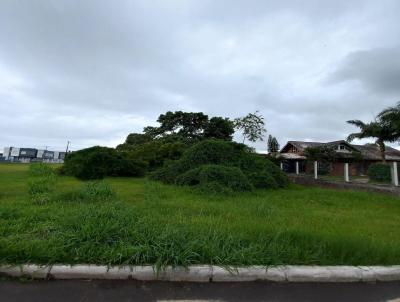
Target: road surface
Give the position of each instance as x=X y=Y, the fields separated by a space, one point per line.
x=129 y=290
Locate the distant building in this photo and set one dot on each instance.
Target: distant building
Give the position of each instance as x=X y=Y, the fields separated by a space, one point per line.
x=359 y=157
x=27 y=155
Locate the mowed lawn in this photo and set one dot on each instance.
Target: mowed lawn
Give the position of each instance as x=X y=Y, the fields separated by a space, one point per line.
x=151 y=223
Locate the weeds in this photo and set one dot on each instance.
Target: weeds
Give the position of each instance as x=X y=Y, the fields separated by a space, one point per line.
x=151 y=223
x=42 y=180
x=88 y=192
x=98 y=190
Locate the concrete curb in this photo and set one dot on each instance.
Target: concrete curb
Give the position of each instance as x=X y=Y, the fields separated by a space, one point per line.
x=208 y=273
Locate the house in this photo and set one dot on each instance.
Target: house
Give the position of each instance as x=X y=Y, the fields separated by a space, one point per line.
x=359 y=157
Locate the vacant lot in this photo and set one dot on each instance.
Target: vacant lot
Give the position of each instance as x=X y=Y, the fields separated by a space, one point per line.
x=150 y=223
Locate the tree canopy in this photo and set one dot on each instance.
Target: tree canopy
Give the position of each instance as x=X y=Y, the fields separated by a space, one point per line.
x=191 y=125
x=380 y=131
x=272 y=144
x=252 y=126
x=390 y=117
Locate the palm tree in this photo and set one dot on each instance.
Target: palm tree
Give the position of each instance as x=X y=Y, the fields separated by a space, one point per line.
x=391 y=117
x=382 y=132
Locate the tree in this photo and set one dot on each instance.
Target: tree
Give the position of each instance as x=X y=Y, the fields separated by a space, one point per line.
x=252 y=126
x=391 y=118
x=273 y=145
x=321 y=153
x=381 y=131
x=191 y=126
x=184 y=124
x=325 y=155
x=219 y=128
x=134 y=139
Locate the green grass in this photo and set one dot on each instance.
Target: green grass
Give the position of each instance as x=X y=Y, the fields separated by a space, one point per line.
x=151 y=223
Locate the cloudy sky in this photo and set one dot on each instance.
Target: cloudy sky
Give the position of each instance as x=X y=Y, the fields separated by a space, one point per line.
x=93 y=71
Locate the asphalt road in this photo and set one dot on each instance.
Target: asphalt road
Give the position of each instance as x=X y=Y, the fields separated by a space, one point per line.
x=71 y=290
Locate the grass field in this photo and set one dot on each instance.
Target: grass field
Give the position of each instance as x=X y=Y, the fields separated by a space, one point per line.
x=150 y=223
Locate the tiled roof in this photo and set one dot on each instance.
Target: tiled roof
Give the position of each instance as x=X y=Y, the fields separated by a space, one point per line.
x=368 y=151
x=303 y=145
x=372 y=152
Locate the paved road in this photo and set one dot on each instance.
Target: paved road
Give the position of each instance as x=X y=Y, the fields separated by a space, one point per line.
x=129 y=290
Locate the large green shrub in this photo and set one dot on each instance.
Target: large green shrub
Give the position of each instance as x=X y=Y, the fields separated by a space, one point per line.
x=214 y=163
x=220 y=176
x=379 y=172
x=156 y=152
x=98 y=162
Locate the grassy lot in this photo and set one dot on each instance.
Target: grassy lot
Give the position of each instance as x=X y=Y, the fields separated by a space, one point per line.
x=150 y=223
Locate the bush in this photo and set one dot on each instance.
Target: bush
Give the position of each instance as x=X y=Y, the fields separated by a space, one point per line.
x=124 y=165
x=217 y=175
x=168 y=173
x=379 y=172
x=262 y=172
x=99 y=162
x=263 y=180
x=214 y=163
x=156 y=152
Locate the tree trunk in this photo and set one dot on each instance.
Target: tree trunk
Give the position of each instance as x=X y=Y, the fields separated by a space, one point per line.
x=382 y=148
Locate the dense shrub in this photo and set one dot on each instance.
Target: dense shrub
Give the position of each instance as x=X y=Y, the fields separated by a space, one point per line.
x=212 y=152
x=217 y=175
x=217 y=164
x=125 y=165
x=156 y=152
x=379 y=172
x=262 y=172
x=263 y=180
x=167 y=173
x=98 y=162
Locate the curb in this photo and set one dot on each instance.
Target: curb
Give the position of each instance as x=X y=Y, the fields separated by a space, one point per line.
x=208 y=273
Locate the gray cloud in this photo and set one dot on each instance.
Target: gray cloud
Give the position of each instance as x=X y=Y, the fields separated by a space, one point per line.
x=93 y=71
x=378 y=70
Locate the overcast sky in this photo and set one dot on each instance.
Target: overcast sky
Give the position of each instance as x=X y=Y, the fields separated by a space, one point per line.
x=93 y=71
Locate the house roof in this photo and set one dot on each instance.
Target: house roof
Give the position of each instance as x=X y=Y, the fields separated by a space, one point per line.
x=368 y=151
x=291 y=156
x=303 y=145
x=372 y=152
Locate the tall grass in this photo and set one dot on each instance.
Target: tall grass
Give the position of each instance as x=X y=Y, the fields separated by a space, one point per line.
x=143 y=222
x=41 y=182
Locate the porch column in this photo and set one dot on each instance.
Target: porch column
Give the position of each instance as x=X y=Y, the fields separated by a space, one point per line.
x=315 y=170
x=395 y=177
x=346 y=172
x=282 y=166
x=297 y=167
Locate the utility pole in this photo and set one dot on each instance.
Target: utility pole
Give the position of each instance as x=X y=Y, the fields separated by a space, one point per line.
x=66 y=150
